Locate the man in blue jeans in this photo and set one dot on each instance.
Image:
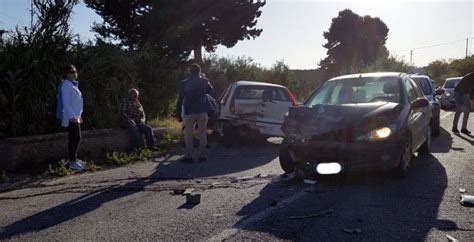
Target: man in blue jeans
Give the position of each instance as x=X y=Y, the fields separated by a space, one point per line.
x=462 y=93
x=133 y=118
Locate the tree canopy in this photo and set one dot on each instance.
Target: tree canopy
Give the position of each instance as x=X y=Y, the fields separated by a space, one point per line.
x=178 y=26
x=353 y=43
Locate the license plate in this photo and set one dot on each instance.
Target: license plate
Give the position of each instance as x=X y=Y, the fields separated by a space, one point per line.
x=328 y=168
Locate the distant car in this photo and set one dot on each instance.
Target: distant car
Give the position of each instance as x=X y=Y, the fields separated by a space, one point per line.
x=427 y=86
x=447 y=99
x=373 y=120
x=248 y=109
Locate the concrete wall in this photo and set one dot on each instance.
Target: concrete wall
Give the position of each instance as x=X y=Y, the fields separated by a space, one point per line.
x=32 y=151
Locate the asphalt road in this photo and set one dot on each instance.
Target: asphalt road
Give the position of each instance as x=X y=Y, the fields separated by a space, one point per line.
x=135 y=202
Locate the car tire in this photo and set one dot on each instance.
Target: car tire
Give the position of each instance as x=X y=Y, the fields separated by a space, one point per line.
x=425 y=148
x=286 y=163
x=405 y=159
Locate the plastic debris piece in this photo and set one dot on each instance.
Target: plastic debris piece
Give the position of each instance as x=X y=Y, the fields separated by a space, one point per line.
x=311 y=182
x=188 y=191
x=313 y=215
x=467 y=200
x=462 y=190
x=451 y=238
x=193 y=198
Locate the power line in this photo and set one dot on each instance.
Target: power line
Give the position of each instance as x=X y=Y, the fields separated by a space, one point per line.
x=430 y=46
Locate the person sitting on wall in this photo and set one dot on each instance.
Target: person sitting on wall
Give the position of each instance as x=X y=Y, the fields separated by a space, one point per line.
x=133 y=119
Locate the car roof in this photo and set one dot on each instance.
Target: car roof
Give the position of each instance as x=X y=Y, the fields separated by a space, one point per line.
x=420 y=76
x=255 y=83
x=371 y=74
x=453 y=78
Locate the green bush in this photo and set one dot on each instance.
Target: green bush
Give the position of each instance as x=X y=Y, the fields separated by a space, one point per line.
x=60 y=169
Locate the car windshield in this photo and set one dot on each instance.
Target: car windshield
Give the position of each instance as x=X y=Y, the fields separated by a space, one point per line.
x=357 y=90
x=450 y=83
x=424 y=84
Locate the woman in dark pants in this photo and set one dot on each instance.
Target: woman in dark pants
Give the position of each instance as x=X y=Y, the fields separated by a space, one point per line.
x=72 y=105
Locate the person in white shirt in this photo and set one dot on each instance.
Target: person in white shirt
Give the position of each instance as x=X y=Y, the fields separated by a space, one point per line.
x=71 y=115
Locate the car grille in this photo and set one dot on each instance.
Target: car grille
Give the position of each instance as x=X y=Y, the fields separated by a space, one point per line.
x=341 y=135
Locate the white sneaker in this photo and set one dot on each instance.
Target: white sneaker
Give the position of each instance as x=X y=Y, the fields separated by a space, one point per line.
x=82 y=163
x=75 y=166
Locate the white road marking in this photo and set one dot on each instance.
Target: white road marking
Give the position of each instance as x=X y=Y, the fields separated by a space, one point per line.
x=228 y=233
x=446 y=115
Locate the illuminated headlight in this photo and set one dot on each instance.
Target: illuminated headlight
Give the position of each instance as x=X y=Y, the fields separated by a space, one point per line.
x=378 y=134
x=448 y=94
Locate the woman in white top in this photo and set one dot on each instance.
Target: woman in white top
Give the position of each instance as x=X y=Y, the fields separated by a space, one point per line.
x=71 y=114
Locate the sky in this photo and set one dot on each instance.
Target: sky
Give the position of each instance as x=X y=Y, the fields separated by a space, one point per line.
x=293 y=29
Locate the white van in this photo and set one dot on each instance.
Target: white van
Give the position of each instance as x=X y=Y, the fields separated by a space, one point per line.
x=248 y=109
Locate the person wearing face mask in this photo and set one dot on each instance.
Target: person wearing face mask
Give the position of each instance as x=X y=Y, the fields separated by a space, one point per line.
x=69 y=111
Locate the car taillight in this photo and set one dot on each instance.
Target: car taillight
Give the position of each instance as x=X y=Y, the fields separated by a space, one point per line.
x=232 y=107
x=292 y=97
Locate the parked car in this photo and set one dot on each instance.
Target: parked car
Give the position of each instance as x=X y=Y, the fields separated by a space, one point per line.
x=427 y=86
x=447 y=99
x=373 y=120
x=249 y=109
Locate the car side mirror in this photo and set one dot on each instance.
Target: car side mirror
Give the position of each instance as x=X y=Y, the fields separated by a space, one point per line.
x=420 y=103
x=440 y=92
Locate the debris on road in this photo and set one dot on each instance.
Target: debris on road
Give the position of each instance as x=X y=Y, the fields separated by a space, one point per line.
x=193 y=198
x=289 y=176
x=451 y=238
x=261 y=175
x=313 y=215
x=462 y=190
x=467 y=200
x=311 y=182
x=178 y=191
x=188 y=191
x=353 y=231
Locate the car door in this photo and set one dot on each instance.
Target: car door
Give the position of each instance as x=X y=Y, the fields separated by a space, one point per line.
x=419 y=116
x=275 y=104
x=247 y=100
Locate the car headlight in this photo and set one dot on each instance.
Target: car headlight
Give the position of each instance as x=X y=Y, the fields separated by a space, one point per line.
x=448 y=94
x=378 y=134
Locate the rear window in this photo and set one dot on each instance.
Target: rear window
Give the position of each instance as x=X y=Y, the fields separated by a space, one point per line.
x=424 y=84
x=450 y=83
x=261 y=92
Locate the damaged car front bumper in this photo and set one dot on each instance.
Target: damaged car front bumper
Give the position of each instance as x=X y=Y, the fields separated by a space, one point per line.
x=351 y=155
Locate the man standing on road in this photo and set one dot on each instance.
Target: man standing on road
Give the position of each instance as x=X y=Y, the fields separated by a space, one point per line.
x=193 y=98
x=462 y=93
x=133 y=119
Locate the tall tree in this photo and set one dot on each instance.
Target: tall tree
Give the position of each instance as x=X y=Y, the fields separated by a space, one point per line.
x=353 y=43
x=186 y=24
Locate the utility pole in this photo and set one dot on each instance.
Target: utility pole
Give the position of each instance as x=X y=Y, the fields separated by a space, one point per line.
x=467 y=47
x=411 y=57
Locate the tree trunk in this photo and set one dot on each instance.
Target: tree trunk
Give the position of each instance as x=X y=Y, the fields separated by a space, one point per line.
x=198 y=53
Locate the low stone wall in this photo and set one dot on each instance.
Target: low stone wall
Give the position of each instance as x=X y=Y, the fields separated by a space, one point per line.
x=32 y=151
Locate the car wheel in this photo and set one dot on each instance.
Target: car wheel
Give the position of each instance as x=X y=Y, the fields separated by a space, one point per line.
x=425 y=148
x=405 y=158
x=287 y=164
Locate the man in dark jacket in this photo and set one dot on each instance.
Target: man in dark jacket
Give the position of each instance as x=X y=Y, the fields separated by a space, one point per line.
x=193 y=98
x=462 y=93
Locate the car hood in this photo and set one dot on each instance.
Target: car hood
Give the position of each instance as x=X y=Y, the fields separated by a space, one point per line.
x=304 y=121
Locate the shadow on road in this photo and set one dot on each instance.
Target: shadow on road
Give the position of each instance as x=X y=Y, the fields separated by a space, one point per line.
x=443 y=143
x=468 y=138
x=385 y=208
x=74 y=208
x=221 y=161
